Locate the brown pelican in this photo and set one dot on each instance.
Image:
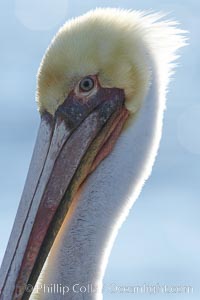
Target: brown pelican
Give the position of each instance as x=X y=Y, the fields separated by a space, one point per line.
x=101 y=96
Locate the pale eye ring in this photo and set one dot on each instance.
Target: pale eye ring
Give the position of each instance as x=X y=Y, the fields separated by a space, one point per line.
x=86 y=84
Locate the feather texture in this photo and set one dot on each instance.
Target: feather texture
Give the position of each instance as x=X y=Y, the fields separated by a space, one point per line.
x=117 y=45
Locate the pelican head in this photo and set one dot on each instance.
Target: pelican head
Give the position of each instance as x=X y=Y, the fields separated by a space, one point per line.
x=102 y=70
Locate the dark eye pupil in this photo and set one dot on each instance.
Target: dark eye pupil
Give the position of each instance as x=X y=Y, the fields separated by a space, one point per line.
x=86 y=84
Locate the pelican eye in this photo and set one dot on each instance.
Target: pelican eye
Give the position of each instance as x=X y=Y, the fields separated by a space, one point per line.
x=86 y=84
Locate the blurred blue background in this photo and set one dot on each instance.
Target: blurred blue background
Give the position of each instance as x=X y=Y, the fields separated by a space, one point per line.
x=160 y=240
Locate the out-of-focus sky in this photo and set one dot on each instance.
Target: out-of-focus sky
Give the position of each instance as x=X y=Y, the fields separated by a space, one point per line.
x=159 y=243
